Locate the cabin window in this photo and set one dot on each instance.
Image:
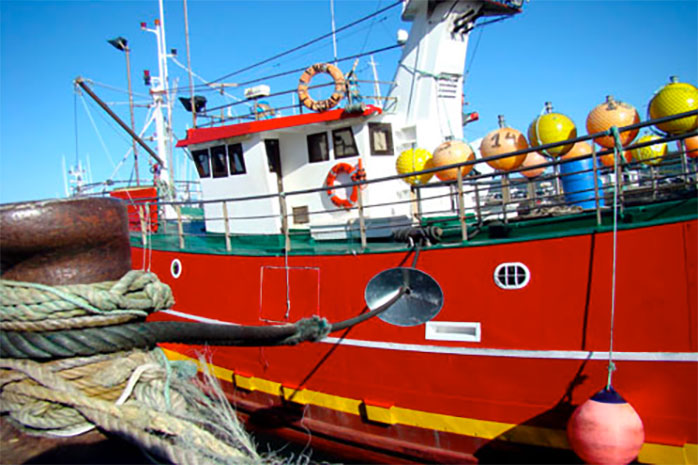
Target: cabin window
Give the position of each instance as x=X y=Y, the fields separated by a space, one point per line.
x=344 y=145
x=218 y=164
x=318 y=148
x=381 y=138
x=236 y=159
x=273 y=155
x=512 y=275
x=202 y=163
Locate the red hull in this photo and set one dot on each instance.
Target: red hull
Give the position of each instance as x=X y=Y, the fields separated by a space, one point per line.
x=543 y=350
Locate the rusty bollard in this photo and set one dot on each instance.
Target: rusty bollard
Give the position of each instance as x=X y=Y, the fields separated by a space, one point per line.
x=66 y=241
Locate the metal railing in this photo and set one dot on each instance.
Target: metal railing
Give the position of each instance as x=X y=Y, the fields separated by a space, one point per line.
x=495 y=196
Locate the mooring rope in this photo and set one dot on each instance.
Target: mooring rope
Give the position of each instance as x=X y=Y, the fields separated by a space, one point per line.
x=64 y=382
x=617 y=153
x=50 y=399
x=55 y=385
x=37 y=307
x=47 y=345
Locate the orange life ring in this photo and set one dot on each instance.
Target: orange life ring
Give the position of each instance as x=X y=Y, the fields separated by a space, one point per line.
x=339 y=87
x=357 y=173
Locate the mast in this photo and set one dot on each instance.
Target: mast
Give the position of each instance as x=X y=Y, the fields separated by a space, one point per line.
x=428 y=83
x=159 y=90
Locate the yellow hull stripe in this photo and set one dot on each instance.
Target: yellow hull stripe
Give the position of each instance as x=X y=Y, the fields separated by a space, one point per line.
x=523 y=434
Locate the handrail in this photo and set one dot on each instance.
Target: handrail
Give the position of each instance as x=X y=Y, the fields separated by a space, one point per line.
x=540 y=191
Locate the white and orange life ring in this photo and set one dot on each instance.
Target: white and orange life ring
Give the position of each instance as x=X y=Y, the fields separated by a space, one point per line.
x=339 y=87
x=356 y=173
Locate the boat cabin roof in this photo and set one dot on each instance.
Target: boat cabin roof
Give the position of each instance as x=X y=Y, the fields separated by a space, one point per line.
x=202 y=135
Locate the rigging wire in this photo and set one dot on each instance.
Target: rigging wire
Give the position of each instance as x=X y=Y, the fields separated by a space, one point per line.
x=324 y=36
x=352 y=57
x=210 y=86
x=115 y=89
x=75 y=120
x=370 y=27
x=99 y=135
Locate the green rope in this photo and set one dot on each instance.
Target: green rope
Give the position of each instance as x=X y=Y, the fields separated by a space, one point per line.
x=137 y=293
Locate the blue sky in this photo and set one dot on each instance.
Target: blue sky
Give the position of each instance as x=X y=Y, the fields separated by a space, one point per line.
x=570 y=52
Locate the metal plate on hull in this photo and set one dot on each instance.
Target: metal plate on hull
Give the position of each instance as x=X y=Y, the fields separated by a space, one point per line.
x=421 y=303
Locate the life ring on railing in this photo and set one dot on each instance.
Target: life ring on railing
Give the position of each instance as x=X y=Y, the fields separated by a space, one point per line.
x=357 y=173
x=339 y=87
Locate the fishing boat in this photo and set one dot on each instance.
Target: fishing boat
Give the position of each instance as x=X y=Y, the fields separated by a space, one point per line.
x=523 y=305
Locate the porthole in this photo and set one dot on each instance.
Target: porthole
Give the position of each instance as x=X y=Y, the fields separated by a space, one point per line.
x=176 y=268
x=512 y=275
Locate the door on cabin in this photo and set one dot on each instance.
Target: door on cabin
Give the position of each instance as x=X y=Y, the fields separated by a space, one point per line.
x=274 y=160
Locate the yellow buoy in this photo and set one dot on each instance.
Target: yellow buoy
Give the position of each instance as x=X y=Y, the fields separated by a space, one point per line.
x=413 y=160
x=450 y=153
x=651 y=154
x=550 y=128
x=501 y=141
x=672 y=99
x=612 y=113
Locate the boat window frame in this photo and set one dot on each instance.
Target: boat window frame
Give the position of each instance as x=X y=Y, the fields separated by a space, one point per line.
x=199 y=162
x=519 y=279
x=311 y=141
x=219 y=161
x=385 y=128
x=345 y=147
x=236 y=155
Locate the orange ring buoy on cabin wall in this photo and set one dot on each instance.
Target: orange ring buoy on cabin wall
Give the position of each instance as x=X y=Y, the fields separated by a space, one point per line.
x=339 y=87
x=357 y=173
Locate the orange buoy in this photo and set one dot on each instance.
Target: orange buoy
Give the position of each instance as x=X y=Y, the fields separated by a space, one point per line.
x=531 y=162
x=610 y=160
x=449 y=153
x=691 y=146
x=673 y=99
x=580 y=149
x=501 y=141
x=606 y=429
x=550 y=128
x=612 y=113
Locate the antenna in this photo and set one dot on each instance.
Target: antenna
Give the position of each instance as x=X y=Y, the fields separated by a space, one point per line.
x=376 y=86
x=334 y=36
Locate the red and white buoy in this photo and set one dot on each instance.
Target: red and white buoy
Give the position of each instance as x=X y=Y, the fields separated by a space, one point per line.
x=606 y=429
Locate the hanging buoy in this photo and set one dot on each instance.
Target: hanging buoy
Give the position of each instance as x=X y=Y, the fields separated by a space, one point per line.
x=651 y=154
x=413 y=160
x=449 y=153
x=501 y=141
x=532 y=161
x=612 y=113
x=691 y=146
x=672 y=99
x=606 y=429
x=549 y=128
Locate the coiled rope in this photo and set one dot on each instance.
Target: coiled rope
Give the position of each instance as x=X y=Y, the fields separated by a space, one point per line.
x=121 y=388
x=95 y=372
x=37 y=307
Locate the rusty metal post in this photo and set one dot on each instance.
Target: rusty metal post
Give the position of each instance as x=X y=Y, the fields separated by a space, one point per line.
x=461 y=208
x=180 y=229
x=227 y=228
x=362 y=221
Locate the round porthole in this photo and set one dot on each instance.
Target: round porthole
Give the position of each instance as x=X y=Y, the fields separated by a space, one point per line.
x=512 y=275
x=176 y=268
